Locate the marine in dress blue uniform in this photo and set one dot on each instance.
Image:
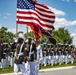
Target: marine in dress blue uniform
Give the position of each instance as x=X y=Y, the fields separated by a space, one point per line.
x=31 y=57
x=19 y=57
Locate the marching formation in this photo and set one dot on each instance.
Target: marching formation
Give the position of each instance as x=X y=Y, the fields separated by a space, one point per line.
x=21 y=55
x=27 y=55
x=56 y=54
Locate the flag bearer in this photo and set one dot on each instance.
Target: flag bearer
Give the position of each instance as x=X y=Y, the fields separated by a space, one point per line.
x=19 y=56
x=31 y=57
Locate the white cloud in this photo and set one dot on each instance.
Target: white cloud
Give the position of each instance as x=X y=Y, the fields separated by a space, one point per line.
x=66 y=0
x=73 y=22
x=5 y=17
x=14 y=30
x=69 y=0
x=75 y=30
x=74 y=41
x=74 y=0
x=0 y=25
x=62 y=22
x=57 y=12
x=73 y=34
x=8 y=14
x=74 y=38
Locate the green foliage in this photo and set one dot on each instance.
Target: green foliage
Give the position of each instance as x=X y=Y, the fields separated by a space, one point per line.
x=62 y=36
x=5 y=35
x=44 y=39
x=29 y=34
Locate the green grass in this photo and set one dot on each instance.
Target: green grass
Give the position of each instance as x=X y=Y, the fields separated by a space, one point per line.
x=6 y=70
x=56 y=66
x=10 y=69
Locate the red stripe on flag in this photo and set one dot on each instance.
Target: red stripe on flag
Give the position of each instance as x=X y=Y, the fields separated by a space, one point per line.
x=22 y=17
x=42 y=17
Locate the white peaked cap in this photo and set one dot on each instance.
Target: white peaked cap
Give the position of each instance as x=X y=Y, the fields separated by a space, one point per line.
x=29 y=37
x=27 y=40
x=15 y=40
x=21 y=36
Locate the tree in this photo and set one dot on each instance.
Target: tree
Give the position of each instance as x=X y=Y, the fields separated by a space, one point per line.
x=5 y=35
x=31 y=34
x=62 y=35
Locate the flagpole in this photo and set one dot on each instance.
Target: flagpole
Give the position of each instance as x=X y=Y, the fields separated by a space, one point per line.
x=16 y=31
x=26 y=31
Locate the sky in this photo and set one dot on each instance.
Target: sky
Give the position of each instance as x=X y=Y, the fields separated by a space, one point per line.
x=65 y=11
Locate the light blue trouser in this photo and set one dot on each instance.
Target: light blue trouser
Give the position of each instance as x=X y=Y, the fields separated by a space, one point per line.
x=32 y=68
x=22 y=68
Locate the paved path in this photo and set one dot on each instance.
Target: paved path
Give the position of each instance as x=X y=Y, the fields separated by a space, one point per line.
x=69 y=71
x=55 y=71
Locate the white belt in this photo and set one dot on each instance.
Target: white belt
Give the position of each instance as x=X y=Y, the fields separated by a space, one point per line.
x=31 y=52
x=20 y=55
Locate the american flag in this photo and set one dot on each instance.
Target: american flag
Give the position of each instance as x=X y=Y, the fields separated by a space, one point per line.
x=35 y=15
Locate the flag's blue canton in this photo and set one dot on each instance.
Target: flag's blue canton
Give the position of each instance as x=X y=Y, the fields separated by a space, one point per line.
x=25 y=4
